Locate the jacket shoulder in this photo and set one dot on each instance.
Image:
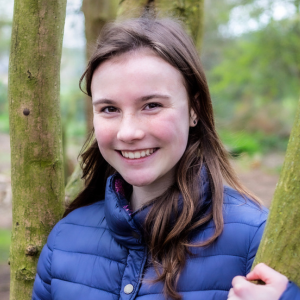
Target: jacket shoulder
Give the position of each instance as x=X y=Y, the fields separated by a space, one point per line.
x=90 y=216
x=240 y=209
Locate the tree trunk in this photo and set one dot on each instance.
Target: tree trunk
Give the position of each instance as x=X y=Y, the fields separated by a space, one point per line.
x=35 y=133
x=96 y=13
x=191 y=12
x=280 y=246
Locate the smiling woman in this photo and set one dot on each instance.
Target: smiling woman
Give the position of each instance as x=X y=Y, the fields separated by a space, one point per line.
x=147 y=119
x=154 y=220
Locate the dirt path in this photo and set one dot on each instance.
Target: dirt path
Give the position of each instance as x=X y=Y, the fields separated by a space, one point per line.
x=5 y=185
x=261 y=175
x=4 y=282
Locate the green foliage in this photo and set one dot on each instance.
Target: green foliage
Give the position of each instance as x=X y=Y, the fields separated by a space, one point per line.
x=4 y=124
x=71 y=98
x=264 y=63
x=5 y=36
x=5 y=236
x=5 y=28
x=72 y=109
x=253 y=77
x=238 y=142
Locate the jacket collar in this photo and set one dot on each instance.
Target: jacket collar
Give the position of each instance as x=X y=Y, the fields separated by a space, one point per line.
x=126 y=228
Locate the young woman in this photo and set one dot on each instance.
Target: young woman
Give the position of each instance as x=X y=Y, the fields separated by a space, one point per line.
x=154 y=220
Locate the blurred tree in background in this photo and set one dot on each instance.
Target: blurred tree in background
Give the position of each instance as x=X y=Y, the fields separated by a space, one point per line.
x=191 y=12
x=96 y=14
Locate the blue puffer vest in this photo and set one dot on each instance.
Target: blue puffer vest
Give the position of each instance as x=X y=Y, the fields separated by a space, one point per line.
x=97 y=252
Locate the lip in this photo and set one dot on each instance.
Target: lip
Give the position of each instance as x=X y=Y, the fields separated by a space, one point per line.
x=137 y=160
x=133 y=150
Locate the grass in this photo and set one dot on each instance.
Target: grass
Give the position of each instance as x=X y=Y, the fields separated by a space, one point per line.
x=4 y=245
x=4 y=122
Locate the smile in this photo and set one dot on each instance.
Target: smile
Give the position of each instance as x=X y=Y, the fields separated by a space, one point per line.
x=138 y=154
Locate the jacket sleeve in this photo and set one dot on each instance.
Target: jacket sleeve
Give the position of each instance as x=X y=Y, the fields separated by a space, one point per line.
x=42 y=283
x=292 y=292
x=254 y=246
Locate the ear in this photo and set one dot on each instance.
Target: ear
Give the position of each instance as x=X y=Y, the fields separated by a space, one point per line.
x=193 y=118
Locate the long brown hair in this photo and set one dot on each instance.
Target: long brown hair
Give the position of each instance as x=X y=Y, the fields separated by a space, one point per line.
x=168 y=240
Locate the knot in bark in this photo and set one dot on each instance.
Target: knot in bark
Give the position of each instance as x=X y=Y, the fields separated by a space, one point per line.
x=31 y=250
x=26 y=112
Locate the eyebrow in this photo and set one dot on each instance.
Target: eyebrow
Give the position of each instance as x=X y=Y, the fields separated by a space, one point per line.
x=141 y=99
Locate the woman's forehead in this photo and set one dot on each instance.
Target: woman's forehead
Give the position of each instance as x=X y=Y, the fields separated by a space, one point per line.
x=142 y=61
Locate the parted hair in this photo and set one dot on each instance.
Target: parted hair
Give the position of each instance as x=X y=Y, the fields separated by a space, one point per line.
x=167 y=228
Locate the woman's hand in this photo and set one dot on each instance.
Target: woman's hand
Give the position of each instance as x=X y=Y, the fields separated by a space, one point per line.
x=242 y=289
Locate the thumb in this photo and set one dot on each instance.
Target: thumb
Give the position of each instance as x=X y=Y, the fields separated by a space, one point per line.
x=266 y=274
x=241 y=286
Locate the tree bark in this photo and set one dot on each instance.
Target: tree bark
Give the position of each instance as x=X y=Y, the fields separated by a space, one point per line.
x=96 y=14
x=191 y=12
x=280 y=246
x=35 y=133
x=133 y=8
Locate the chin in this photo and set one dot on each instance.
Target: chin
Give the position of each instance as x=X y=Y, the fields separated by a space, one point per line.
x=138 y=180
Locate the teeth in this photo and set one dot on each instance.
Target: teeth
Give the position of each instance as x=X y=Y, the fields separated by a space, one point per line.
x=137 y=154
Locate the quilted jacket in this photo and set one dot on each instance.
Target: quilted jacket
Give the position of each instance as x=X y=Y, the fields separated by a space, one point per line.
x=292 y=292
x=97 y=252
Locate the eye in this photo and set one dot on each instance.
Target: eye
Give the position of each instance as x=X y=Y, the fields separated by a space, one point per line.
x=108 y=109
x=152 y=105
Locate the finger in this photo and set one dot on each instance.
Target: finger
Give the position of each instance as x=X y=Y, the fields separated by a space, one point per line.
x=231 y=293
x=232 y=296
x=238 y=280
x=265 y=273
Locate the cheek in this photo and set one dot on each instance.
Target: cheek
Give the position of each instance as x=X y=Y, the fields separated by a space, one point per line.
x=173 y=130
x=104 y=135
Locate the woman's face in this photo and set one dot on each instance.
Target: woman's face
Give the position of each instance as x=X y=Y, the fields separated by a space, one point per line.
x=141 y=116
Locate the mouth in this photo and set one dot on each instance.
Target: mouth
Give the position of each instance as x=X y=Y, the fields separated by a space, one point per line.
x=138 y=154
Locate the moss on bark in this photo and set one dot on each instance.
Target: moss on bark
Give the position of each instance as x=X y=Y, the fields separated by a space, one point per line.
x=35 y=132
x=131 y=8
x=191 y=12
x=280 y=246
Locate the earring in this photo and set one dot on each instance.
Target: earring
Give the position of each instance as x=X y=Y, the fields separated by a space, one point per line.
x=195 y=122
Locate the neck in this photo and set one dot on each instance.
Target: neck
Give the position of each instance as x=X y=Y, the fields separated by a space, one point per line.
x=143 y=194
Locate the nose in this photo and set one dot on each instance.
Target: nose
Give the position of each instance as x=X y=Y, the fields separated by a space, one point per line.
x=130 y=130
